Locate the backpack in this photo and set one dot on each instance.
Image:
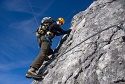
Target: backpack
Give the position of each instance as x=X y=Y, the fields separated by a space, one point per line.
x=44 y=27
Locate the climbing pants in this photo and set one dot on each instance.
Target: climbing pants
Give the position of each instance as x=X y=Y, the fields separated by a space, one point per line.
x=45 y=51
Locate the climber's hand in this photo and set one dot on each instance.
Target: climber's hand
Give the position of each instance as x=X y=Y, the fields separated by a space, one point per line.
x=73 y=27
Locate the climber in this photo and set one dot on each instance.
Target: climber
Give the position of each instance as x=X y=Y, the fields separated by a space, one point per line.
x=46 y=41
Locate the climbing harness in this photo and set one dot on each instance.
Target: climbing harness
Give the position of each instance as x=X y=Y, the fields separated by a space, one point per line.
x=48 y=40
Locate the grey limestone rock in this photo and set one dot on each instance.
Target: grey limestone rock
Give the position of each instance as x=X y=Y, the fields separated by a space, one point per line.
x=93 y=53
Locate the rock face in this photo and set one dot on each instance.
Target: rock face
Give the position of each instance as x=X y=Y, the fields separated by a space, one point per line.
x=94 y=53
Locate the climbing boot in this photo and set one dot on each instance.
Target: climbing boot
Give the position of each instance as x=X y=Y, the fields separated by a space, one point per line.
x=32 y=74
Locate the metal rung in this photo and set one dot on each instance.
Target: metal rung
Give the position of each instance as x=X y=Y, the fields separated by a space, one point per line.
x=120 y=26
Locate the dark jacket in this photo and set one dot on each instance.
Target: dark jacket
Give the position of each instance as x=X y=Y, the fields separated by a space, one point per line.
x=57 y=30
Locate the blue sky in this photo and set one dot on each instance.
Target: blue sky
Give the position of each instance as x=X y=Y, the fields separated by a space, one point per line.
x=18 y=44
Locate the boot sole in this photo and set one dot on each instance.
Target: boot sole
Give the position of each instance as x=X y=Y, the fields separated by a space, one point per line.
x=36 y=77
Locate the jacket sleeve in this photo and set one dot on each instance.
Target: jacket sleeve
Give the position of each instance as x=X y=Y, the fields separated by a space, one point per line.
x=61 y=31
x=58 y=29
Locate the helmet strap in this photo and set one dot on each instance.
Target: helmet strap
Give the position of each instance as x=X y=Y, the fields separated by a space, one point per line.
x=58 y=22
